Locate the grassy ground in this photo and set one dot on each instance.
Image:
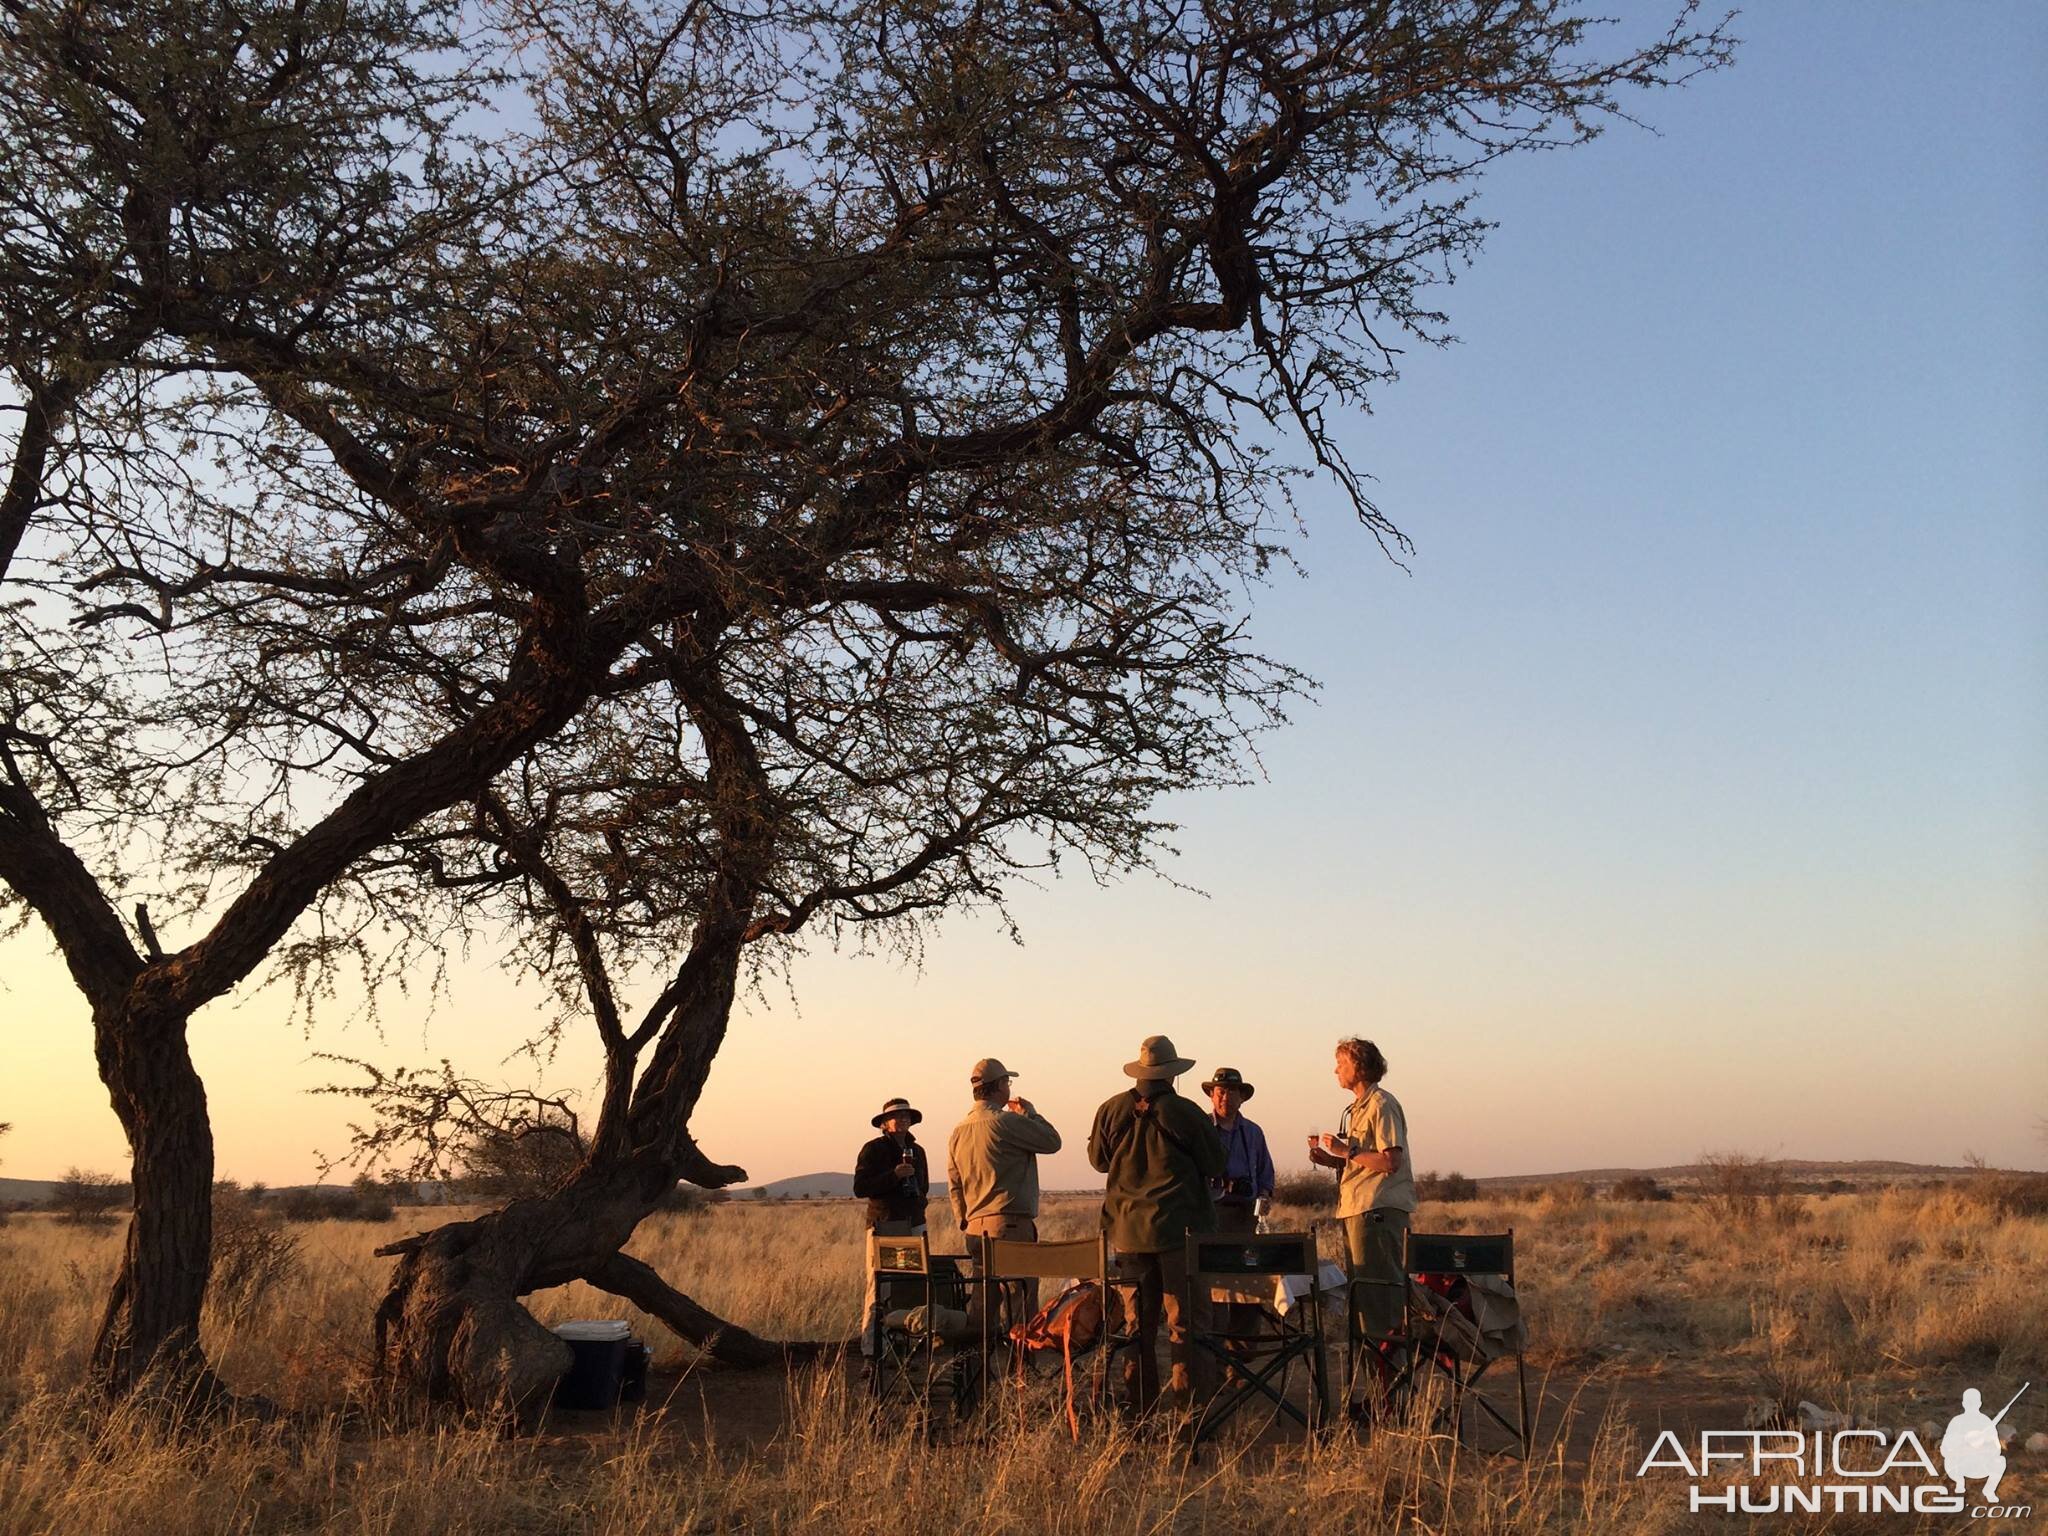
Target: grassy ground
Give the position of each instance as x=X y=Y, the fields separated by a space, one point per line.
x=1642 y=1316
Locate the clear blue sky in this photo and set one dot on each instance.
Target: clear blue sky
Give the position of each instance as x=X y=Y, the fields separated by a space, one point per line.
x=1692 y=790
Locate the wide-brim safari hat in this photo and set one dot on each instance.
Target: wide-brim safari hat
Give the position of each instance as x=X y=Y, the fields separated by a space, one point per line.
x=1228 y=1077
x=896 y=1107
x=1156 y=1059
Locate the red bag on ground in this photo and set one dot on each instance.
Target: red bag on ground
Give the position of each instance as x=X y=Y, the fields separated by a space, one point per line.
x=1072 y=1323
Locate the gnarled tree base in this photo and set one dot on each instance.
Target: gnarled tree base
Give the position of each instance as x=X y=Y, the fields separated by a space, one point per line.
x=451 y=1329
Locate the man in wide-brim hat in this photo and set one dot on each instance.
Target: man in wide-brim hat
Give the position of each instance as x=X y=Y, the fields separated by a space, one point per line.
x=891 y=1175
x=1246 y=1183
x=1159 y=1152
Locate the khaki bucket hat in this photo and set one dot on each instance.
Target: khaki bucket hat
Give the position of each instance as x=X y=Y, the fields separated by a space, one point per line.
x=1156 y=1059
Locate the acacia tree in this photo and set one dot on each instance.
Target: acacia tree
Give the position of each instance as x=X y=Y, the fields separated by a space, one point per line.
x=892 y=749
x=987 y=314
x=173 y=176
x=816 y=468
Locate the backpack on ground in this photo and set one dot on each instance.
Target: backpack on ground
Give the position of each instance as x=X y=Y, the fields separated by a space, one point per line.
x=1071 y=1323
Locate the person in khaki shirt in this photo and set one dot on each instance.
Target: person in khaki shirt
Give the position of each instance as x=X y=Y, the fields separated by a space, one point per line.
x=1375 y=1191
x=992 y=1171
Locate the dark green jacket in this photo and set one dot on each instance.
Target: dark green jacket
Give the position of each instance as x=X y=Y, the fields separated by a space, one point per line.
x=1159 y=1166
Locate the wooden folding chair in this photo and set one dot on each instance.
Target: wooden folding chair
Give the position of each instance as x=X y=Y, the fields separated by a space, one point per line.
x=1083 y=1258
x=1255 y=1364
x=1446 y=1324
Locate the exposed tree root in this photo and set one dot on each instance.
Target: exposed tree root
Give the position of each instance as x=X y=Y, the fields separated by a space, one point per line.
x=725 y=1342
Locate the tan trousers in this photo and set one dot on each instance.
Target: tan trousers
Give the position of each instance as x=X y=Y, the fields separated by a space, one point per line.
x=1152 y=1287
x=1020 y=1298
x=1373 y=1246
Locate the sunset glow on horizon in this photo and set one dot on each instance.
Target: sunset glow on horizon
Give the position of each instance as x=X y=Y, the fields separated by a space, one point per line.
x=1687 y=792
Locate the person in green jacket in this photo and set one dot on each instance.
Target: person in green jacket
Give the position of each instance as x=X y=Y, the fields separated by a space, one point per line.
x=1160 y=1151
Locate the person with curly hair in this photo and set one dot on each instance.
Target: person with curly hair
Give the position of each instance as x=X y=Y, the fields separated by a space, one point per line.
x=1375 y=1193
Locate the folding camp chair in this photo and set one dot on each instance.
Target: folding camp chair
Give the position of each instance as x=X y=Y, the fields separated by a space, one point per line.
x=1462 y=1318
x=921 y=1292
x=1255 y=1362
x=1087 y=1258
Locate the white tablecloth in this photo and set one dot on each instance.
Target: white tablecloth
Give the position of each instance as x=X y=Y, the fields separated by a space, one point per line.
x=1283 y=1293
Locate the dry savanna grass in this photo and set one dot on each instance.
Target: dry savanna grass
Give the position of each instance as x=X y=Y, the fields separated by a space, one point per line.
x=1884 y=1305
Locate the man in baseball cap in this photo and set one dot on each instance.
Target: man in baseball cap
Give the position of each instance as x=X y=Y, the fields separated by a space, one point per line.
x=992 y=1171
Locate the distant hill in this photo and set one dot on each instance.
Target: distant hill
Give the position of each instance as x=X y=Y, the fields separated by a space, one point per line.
x=25 y=1191
x=809 y=1186
x=803 y=1186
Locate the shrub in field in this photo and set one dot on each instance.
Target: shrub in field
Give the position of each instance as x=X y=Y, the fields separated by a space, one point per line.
x=1567 y=1195
x=252 y=1252
x=365 y=1200
x=2009 y=1194
x=84 y=1197
x=307 y=1204
x=1638 y=1186
x=1312 y=1191
x=370 y=1199
x=1746 y=1189
x=1446 y=1188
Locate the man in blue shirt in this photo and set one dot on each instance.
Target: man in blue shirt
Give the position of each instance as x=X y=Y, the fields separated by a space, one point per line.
x=1246 y=1188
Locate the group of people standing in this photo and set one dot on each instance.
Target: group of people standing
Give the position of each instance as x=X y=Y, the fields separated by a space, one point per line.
x=1171 y=1167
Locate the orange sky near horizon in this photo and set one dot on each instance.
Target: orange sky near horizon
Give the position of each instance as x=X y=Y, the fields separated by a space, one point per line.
x=1514 y=1051
x=1686 y=790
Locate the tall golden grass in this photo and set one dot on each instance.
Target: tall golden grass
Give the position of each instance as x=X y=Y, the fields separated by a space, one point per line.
x=1881 y=1304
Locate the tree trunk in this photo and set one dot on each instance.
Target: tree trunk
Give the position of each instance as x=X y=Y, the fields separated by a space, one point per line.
x=451 y=1328
x=149 y=1333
